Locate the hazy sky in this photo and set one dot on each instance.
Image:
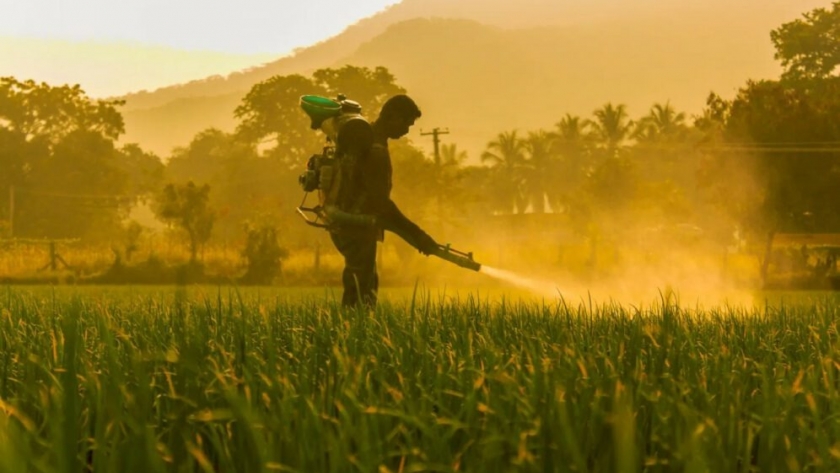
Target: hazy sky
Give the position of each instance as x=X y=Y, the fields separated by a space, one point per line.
x=241 y=26
x=112 y=47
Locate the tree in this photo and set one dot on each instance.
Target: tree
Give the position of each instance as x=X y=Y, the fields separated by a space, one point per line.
x=664 y=149
x=414 y=179
x=451 y=193
x=714 y=117
x=40 y=110
x=58 y=152
x=244 y=184
x=784 y=120
x=263 y=254
x=270 y=112
x=451 y=155
x=538 y=169
x=187 y=207
x=612 y=186
x=16 y=158
x=661 y=124
x=205 y=158
x=370 y=88
x=611 y=127
x=809 y=48
x=414 y=188
x=506 y=155
x=766 y=157
x=144 y=170
x=573 y=164
x=76 y=190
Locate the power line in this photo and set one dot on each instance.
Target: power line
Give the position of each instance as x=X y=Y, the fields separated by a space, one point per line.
x=72 y=196
x=828 y=147
x=781 y=143
x=771 y=150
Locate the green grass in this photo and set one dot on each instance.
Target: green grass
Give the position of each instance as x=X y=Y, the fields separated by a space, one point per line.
x=203 y=380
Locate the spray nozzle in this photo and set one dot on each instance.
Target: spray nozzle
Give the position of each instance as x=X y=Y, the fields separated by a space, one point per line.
x=460 y=258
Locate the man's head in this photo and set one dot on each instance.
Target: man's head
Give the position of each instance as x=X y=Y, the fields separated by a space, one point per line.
x=397 y=116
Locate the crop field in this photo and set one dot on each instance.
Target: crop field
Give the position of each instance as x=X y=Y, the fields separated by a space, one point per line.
x=228 y=380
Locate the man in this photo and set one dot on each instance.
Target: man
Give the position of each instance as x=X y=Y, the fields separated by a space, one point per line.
x=370 y=193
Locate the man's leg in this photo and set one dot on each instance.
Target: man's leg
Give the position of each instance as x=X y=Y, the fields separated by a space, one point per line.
x=359 y=278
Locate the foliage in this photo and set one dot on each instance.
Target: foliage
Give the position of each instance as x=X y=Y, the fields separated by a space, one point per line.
x=453 y=196
x=244 y=184
x=187 y=207
x=662 y=123
x=787 y=122
x=506 y=155
x=270 y=112
x=255 y=170
x=809 y=48
x=370 y=88
x=133 y=232
x=263 y=254
x=539 y=169
x=762 y=162
x=58 y=153
x=413 y=192
x=610 y=128
x=77 y=190
x=40 y=110
x=571 y=149
x=187 y=380
x=144 y=170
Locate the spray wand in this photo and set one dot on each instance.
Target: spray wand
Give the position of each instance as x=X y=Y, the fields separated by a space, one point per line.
x=464 y=260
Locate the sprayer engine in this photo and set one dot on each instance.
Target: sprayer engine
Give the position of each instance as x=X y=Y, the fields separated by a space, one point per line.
x=314 y=177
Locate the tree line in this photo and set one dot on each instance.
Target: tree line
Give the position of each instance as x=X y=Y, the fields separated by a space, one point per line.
x=763 y=162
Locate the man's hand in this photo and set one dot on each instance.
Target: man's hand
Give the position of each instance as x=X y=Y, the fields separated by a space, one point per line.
x=425 y=244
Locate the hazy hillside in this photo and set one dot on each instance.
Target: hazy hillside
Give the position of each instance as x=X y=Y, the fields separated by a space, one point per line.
x=479 y=80
x=514 y=74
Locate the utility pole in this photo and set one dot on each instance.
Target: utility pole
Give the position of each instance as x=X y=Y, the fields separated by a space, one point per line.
x=436 y=132
x=11 y=211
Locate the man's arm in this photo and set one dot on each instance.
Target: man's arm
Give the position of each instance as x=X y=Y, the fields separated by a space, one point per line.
x=377 y=178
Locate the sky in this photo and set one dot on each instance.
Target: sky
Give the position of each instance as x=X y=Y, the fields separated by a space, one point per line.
x=192 y=38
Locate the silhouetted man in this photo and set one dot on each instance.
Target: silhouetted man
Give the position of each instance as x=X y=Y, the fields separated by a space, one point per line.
x=370 y=193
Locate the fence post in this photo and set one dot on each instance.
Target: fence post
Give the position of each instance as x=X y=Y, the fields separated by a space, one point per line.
x=11 y=211
x=52 y=256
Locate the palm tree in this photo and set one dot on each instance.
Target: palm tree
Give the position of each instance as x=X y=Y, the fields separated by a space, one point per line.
x=448 y=177
x=663 y=150
x=570 y=145
x=571 y=129
x=662 y=122
x=539 y=168
x=571 y=164
x=451 y=155
x=611 y=127
x=506 y=155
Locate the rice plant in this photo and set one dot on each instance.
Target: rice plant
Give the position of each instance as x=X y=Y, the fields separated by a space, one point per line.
x=217 y=380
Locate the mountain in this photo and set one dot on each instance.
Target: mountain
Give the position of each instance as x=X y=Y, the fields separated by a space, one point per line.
x=483 y=66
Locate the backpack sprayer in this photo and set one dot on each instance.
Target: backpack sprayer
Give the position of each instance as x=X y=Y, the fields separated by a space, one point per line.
x=349 y=137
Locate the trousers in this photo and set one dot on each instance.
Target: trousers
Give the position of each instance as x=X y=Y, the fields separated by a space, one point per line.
x=359 y=278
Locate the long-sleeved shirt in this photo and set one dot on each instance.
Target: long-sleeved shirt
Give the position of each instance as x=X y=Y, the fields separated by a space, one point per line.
x=370 y=192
